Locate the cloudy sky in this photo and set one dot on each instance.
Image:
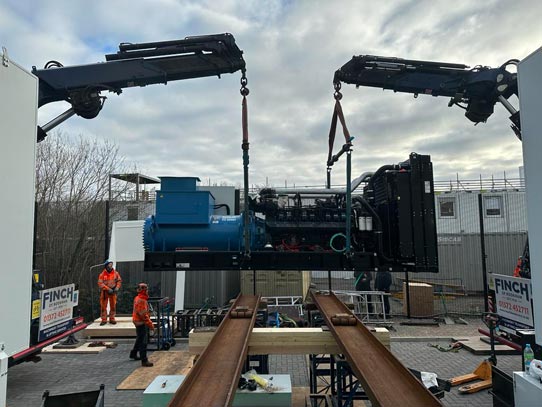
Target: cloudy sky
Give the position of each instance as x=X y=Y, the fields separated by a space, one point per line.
x=292 y=49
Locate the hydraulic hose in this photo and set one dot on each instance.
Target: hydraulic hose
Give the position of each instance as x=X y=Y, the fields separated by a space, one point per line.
x=331 y=243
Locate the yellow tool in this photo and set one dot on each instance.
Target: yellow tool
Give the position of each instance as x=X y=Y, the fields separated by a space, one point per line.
x=482 y=372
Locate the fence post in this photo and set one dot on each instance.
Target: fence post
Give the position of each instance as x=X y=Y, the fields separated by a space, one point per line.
x=106 y=234
x=407 y=295
x=483 y=250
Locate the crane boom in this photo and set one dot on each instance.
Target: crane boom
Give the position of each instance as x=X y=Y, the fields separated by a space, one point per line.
x=135 y=65
x=476 y=90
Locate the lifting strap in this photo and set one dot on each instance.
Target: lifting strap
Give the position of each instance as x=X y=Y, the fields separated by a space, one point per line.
x=337 y=114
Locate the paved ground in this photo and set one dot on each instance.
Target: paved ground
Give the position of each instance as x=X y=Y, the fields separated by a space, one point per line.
x=74 y=373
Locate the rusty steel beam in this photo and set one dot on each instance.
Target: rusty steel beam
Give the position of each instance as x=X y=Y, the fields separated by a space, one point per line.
x=213 y=379
x=385 y=379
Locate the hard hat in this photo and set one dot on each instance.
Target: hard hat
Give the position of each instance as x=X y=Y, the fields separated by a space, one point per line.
x=107 y=262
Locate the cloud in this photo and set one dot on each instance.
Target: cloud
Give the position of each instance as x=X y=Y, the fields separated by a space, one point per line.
x=292 y=50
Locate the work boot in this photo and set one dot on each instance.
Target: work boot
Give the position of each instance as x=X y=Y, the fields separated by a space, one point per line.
x=146 y=363
x=113 y=322
x=133 y=355
x=103 y=323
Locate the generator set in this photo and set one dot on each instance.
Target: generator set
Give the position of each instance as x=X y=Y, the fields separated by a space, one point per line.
x=392 y=226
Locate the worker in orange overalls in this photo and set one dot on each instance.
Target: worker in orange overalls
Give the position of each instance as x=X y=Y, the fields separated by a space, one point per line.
x=517 y=270
x=142 y=320
x=109 y=282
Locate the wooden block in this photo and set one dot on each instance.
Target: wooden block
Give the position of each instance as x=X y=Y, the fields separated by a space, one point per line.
x=284 y=341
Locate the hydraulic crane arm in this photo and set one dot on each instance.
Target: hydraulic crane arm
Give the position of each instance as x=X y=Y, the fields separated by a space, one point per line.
x=476 y=90
x=134 y=65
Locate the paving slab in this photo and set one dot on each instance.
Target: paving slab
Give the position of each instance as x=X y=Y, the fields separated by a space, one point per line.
x=67 y=373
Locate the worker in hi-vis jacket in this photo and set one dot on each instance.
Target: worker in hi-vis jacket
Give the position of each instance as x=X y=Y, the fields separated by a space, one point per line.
x=109 y=282
x=142 y=320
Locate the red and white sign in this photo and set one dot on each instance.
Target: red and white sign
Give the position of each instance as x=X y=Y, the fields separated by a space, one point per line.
x=513 y=300
x=57 y=309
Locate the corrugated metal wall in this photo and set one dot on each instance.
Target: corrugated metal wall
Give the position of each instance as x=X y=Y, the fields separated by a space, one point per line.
x=160 y=283
x=213 y=288
x=465 y=218
x=460 y=258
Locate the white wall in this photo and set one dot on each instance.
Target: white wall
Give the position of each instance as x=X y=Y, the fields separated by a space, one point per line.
x=18 y=117
x=530 y=91
x=466 y=220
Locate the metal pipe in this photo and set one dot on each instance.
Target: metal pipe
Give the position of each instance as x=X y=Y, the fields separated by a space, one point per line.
x=502 y=340
x=106 y=232
x=348 y=200
x=58 y=120
x=41 y=345
x=407 y=294
x=162 y=51
x=325 y=191
x=507 y=105
x=483 y=251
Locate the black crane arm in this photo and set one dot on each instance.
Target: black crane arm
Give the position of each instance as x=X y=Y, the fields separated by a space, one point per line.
x=135 y=65
x=476 y=90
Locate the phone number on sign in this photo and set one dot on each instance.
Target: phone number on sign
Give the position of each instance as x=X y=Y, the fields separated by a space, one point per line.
x=57 y=315
x=513 y=307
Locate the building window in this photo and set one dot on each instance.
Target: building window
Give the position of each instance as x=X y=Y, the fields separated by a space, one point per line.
x=133 y=213
x=447 y=208
x=493 y=205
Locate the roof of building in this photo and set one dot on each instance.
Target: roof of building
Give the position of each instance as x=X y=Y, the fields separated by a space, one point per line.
x=136 y=178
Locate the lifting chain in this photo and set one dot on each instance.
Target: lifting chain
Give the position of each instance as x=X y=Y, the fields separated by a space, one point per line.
x=337 y=94
x=244 y=90
x=245 y=146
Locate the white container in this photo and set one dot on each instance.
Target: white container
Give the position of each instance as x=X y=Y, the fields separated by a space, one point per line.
x=18 y=116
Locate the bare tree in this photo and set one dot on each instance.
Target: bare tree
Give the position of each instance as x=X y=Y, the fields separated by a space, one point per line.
x=72 y=184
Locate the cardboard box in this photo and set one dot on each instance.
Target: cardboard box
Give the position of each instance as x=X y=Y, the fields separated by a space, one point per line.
x=421 y=300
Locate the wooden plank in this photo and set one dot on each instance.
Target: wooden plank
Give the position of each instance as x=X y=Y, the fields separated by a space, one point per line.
x=478 y=346
x=123 y=328
x=299 y=396
x=165 y=363
x=284 y=341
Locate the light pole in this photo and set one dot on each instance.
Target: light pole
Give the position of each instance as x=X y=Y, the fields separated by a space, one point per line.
x=92 y=289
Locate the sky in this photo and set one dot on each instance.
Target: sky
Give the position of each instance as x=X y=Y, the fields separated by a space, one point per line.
x=292 y=49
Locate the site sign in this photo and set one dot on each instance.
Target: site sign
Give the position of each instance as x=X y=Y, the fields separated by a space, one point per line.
x=57 y=310
x=513 y=297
